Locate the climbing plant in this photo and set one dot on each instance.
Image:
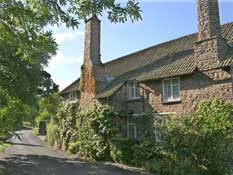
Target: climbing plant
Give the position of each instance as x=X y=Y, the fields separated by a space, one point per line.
x=96 y=127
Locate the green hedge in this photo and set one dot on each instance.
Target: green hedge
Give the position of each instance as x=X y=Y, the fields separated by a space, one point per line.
x=95 y=129
x=122 y=150
x=74 y=147
x=66 y=119
x=53 y=134
x=197 y=144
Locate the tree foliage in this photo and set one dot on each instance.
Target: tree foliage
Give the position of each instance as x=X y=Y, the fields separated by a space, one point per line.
x=71 y=12
x=11 y=116
x=26 y=47
x=48 y=107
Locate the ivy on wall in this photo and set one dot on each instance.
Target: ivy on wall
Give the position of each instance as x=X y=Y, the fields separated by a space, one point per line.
x=198 y=143
x=96 y=127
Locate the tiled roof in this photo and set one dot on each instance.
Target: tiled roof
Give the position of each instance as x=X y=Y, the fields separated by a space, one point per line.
x=168 y=59
x=228 y=61
x=72 y=87
x=183 y=66
x=172 y=65
x=173 y=58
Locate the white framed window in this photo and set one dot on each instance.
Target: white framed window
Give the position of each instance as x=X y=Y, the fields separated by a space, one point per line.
x=133 y=90
x=159 y=120
x=131 y=127
x=171 y=89
x=73 y=96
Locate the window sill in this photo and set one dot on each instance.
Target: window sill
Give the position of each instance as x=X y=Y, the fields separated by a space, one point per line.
x=133 y=99
x=171 y=102
x=73 y=101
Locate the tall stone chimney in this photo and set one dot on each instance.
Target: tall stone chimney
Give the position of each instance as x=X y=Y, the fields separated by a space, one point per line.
x=210 y=47
x=92 y=74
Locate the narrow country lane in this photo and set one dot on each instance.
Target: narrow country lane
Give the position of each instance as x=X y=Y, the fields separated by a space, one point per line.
x=29 y=156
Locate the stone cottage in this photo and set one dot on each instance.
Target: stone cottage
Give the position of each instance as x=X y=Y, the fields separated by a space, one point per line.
x=168 y=78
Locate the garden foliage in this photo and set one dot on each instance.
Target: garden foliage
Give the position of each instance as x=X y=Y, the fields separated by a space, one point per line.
x=66 y=119
x=62 y=128
x=122 y=150
x=200 y=143
x=196 y=144
x=54 y=135
x=96 y=127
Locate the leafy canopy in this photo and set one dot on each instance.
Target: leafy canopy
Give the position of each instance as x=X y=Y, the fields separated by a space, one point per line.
x=26 y=47
x=71 y=12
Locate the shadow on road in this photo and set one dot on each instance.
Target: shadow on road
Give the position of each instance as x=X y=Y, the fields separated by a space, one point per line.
x=45 y=165
x=23 y=144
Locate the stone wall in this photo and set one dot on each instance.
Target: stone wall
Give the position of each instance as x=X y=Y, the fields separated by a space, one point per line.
x=208 y=85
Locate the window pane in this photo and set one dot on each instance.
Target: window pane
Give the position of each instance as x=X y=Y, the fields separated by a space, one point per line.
x=131 y=128
x=131 y=119
x=137 y=91
x=176 y=92
x=176 y=88
x=167 y=90
x=133 y=90
x=176 y=81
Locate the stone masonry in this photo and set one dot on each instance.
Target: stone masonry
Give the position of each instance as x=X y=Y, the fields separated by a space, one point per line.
x=210 y=47
x=93 y=75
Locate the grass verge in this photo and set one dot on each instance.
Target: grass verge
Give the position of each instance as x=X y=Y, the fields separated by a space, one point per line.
x=3 y=172
x=3 y=146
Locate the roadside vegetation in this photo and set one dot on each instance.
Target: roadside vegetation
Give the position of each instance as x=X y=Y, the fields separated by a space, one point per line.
x=3 y=171
x=198 y=143
x=3 y=146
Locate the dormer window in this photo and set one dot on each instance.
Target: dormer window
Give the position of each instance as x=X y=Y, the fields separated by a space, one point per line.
x=133 y=90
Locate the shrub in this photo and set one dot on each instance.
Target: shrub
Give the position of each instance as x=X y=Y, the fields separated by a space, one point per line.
x=66 y=119
x=74 y=147
x=95 y=129
x=122 y=150
x=200 y=143
x=35 y=131
x=3 y=146
x=151 y=156
x=53 y=134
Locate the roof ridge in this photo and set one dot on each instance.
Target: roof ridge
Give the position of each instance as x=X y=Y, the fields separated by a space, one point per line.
x=157 y=45
x=73 y=82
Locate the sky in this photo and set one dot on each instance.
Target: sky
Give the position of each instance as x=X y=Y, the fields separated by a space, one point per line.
x=163 y=20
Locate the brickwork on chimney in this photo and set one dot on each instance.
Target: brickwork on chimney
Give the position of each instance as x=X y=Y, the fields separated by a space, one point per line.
x=210 y=47
x=209 y=52
x=93 y=75
x=208 y=19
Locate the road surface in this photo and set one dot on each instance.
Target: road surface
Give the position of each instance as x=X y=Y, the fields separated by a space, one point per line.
x=29 y=156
